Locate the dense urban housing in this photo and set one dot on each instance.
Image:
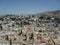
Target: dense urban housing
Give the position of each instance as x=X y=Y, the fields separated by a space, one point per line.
x=33 y=29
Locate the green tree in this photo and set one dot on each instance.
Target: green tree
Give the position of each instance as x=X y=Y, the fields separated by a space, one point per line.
x=31 y=37
x=10 y=42
x=7 y=38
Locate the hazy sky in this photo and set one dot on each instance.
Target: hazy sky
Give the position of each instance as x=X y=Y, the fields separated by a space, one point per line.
x=27 y=6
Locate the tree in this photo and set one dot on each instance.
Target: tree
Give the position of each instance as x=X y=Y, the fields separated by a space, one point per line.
x=20 y=33
x=41 y=17
x=48 y=18
x=7 y=38
x=10 y=42
x=1 y=27
x=31 y=37
x=21 y=24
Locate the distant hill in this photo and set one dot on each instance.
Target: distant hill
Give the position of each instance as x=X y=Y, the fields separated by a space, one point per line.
x=50 y=13
x=47 y=13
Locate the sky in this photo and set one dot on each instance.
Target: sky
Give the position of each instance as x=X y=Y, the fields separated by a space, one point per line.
x=28 y=6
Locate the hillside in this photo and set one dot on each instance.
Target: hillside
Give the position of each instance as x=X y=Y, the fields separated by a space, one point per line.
x=50 y=13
